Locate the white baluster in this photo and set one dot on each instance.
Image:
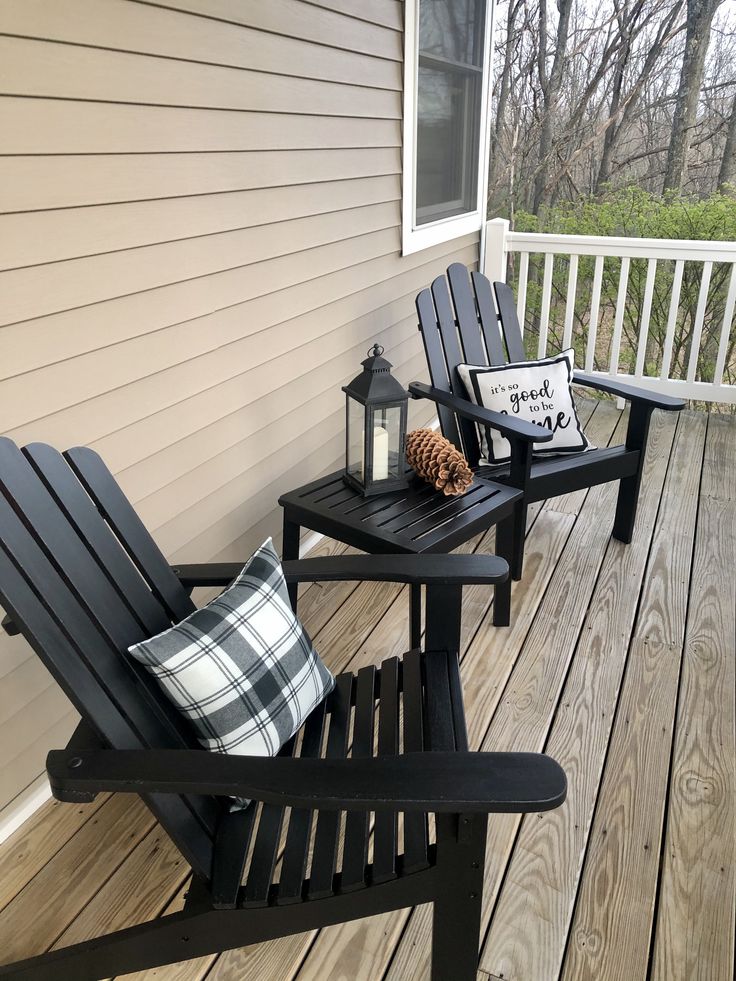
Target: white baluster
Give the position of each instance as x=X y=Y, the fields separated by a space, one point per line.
x=618 y=321
x=572 y=286
x=546 y=295
x=669 y=337
x=699 y=318
x=595 y=303
x=646 y=313
x=521 y=295
x=725 y=328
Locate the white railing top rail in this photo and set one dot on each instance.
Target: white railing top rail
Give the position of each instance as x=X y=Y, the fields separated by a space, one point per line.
x=635 y=248
x=686 y=346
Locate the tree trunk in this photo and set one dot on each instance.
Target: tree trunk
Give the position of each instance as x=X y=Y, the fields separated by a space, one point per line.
x=727 y=172
x=503 y=92
x=697 y=35
x=550 y=85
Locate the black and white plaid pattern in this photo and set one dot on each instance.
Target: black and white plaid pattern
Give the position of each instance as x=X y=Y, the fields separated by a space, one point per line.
x=243 y=668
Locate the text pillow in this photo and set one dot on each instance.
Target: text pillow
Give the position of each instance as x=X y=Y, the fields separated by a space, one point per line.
x=537 y=391
x=242 y=669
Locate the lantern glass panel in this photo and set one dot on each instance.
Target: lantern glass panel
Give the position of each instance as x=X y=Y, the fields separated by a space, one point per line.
x=387 y=456
x=355 y=441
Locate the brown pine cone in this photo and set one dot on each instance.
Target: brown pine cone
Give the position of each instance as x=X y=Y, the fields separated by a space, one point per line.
x=437 y=461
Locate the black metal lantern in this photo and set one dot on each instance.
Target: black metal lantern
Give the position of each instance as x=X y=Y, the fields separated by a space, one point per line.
x=375 y=428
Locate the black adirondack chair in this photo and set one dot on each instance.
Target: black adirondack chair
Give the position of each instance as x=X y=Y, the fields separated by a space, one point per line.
x=81 y=579
x=460 y=325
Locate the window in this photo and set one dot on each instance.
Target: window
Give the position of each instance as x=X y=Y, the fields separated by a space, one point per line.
x=445 y=119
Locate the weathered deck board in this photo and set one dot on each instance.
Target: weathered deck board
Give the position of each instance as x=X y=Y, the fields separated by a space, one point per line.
x=609 y=936
x=596 y=625
x=529 y=929
x=700 y=842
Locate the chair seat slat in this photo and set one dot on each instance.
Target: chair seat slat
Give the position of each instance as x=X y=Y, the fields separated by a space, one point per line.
x=296 y=850
x=415 y=824
x=324 y=858
x=355 y=853
x=266 y=847
x=385 y=829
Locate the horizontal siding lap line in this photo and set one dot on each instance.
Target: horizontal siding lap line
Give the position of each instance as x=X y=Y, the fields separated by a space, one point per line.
x=41 y=125
x=171 y=153
x=36 y=68
x=187 y=238
x=192 y=278
x=195 y=61
x=363 y=164
x=240 y=337
x=395 y=23
x=341 y=43
x=195 y=108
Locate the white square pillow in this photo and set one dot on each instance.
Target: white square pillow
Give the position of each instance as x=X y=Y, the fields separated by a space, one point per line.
x=536 y=391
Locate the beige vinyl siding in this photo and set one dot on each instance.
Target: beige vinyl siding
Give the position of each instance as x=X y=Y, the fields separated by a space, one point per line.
x=200 y=205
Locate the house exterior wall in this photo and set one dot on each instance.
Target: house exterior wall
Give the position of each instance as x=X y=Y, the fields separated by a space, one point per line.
x=199 y=239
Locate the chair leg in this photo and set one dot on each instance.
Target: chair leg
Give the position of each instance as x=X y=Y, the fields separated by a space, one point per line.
x=289 y=551
x=510 y=535
x=628 y=492
x=456 y=917
x=626 y=505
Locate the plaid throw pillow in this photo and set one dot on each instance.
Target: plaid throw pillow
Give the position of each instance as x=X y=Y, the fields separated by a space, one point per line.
x=242 y=669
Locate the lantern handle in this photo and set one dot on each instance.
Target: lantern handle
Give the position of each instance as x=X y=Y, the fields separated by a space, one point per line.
x=376 y=351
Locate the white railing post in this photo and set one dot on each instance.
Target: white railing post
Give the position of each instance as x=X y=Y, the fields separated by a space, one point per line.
x=494 y=260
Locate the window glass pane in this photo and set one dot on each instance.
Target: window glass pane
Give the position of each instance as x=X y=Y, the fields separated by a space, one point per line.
x=449 y=82
x=452 y=29
x=447 y=144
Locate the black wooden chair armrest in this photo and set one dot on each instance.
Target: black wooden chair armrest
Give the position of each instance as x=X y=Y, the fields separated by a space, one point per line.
x=632 y=393
x=509 y=427
x=451 y=782
x=439 y=570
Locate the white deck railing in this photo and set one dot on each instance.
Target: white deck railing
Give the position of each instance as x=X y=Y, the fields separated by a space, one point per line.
x=686 y=346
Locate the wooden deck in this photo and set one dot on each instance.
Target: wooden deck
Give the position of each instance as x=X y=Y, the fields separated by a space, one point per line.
x=619 y=663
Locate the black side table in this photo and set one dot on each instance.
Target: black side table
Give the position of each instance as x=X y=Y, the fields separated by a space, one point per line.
x=414 y=520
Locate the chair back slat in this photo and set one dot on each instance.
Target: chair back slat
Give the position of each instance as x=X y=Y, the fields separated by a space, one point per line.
x=118 y=511
x=61 y=581
x=22 y=486
x=509 y=321
x=454 y=356
x=433 y=348
x=488 y=318
x=79 y=509
x=467 y=314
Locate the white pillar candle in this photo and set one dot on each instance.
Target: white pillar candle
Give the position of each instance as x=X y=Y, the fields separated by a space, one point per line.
x=380 y=453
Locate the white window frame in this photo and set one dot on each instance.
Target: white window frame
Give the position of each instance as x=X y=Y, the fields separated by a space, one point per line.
x=415 y=237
